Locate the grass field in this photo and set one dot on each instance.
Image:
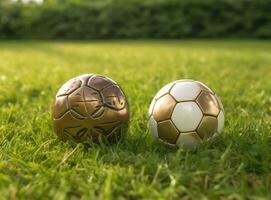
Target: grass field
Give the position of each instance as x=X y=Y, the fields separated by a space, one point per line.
x=35 y=164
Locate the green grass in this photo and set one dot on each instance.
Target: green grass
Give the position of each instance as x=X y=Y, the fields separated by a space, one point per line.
x=35 y=164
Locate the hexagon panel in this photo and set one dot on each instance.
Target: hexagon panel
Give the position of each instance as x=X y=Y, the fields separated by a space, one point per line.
x=188 y=140
x=186 y=116
x=220 y=119
x=151 y=107
x=185 y=90
x=163 y=108
x=207 y=127
x=205 y=87
x=208 y=103
x=167 y=131
x=153 y=127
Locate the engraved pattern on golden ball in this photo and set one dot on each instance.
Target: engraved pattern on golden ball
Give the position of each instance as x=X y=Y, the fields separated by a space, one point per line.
x=90 y=107
x=184 y=113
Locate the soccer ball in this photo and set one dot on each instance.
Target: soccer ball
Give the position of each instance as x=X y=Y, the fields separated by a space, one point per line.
x=90 y=107
x=184 y=113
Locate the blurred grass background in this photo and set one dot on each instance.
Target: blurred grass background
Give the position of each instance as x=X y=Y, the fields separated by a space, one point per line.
x=35 y=164
x=102 y=19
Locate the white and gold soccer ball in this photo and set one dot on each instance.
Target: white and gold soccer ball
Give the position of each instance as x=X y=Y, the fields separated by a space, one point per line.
x=185 y=113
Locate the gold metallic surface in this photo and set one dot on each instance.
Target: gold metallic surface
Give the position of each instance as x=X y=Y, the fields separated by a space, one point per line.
x=167 y=132
x=163 y=108
x=204 y=87
x=207 y=127
x=90 y=107
x=208 y=103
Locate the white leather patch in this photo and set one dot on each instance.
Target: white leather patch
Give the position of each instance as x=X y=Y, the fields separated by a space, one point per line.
x=185 y=90
x=153 y=127
x=186 y=116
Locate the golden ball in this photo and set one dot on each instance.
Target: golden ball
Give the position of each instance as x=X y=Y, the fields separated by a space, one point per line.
x=90 y=107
